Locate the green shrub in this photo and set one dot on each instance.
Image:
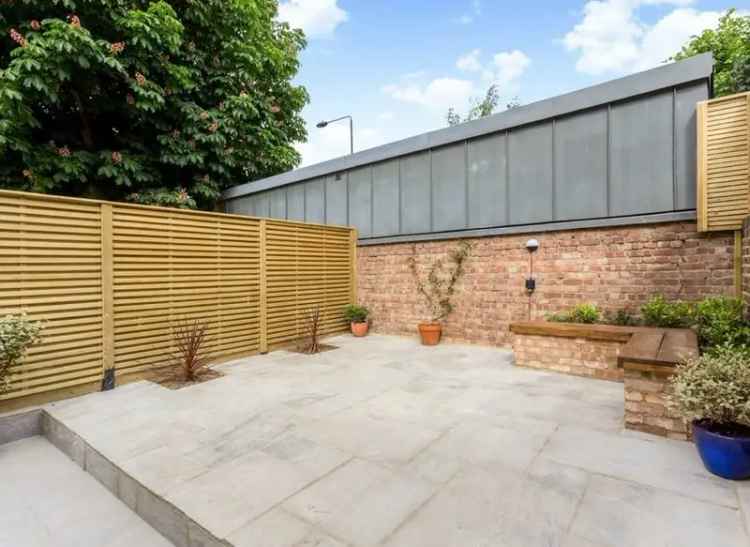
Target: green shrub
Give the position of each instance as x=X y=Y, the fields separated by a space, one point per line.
x=356 y=314
x=720 y=321
x=658 y=312
x=622 y=318
x=17 y=334
x=714 y=387
x=582 y=313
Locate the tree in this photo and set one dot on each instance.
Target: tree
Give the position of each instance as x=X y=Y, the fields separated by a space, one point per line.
x=167 y=101
x=481 y=107
x=730 y=44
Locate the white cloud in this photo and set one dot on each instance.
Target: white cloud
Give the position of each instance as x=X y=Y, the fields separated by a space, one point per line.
x=439 y=94
x=470 y=61
x=385 y=116
x=508 y=66
x=504 y=70
x=470 y=16
x=318 y=18
x=612 y=38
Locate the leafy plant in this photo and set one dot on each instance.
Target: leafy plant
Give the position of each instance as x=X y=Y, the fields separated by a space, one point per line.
x=17 y=334
x=439 y=288
x=356 y=314
x=143 y=98
x=714 y=387
x=582 y=313
x=729 y=43
x=658 y=312
x=189 y=358
x=312 y=328
x=720 y=321
x=622 y=318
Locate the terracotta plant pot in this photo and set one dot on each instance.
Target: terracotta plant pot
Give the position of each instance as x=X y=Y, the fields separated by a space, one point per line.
x=360 y=329
x=430 y=333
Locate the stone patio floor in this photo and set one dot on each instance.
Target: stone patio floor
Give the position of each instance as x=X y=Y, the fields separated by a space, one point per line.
x=386 y=442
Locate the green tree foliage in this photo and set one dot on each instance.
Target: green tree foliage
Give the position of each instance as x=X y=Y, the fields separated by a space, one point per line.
x=481 y=107
x=730 y=45
x=167 y=101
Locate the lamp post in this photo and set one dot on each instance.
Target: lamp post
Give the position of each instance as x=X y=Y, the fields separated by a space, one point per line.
x=321 y=125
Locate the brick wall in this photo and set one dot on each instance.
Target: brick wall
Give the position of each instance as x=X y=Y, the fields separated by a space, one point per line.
x=612 y=267
x=578 y=356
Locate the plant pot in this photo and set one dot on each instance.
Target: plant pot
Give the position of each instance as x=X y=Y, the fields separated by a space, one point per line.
x=430 y=333
x=725 y=456
x=360 y=329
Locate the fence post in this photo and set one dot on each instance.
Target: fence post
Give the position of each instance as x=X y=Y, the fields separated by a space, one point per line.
x=108 y=321
x=263 y=290
x=353 y=268
x=701 y=153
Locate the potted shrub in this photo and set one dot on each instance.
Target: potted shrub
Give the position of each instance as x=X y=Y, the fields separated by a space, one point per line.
x=439 y=289
x=357 y=317
x=713 y=391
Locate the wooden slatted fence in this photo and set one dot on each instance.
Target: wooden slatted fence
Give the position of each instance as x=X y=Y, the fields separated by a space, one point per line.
x=110 y=279
x=723 y=152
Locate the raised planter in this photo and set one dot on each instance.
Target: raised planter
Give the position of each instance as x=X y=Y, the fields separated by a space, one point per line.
x=570 y=348
x=643 y=358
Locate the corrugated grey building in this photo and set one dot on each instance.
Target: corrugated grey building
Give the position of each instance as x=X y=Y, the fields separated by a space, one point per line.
x=621 y=152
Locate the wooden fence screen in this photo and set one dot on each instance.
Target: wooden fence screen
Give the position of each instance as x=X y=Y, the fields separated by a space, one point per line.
x=110 y=279
x=723 y=152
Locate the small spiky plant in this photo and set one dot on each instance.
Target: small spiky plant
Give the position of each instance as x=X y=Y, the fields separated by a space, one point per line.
x=189 y=359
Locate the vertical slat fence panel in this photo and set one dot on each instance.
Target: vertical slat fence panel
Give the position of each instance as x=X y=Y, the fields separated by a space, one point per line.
x=110 y=280
x=723 y=162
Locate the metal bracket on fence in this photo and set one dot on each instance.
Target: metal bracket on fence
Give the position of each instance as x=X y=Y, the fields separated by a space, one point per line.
x=108 y=380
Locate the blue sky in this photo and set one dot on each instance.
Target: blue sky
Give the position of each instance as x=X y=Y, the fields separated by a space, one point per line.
x=397 y=66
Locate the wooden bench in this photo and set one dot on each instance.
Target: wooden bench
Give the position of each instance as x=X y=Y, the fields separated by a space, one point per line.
x=659 y=347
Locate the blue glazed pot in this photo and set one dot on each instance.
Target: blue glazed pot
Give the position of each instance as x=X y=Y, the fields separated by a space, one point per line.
x=727 y=457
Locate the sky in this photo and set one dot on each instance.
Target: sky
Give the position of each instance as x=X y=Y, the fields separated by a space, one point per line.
x=397 y=66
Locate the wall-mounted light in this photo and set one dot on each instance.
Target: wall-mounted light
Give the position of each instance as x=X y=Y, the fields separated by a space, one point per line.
x=532 y=246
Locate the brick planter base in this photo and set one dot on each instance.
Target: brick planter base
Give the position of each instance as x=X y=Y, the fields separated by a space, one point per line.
x=646 y=409
x=577 y=356
x=581 y=350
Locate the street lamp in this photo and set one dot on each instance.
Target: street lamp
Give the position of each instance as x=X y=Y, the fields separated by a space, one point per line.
x=321 y=125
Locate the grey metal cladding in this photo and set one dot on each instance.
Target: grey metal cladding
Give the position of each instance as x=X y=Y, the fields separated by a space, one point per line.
x=581 y=165
x=337 y=199
x=641 y=175
x=360 y=200
x=449 y=187
x=240 y=206
x=315 y=200
x=385 y=198
x=666 y=76
x=415 y=193
x=685 y=143
x=278 y=203
x=295 y=202
x=263 y=205
x=487 y=181
x=530 y=181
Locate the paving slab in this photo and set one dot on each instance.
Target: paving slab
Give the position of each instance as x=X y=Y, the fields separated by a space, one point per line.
x=386 y=442
x=47 y=500
x=612 y=507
